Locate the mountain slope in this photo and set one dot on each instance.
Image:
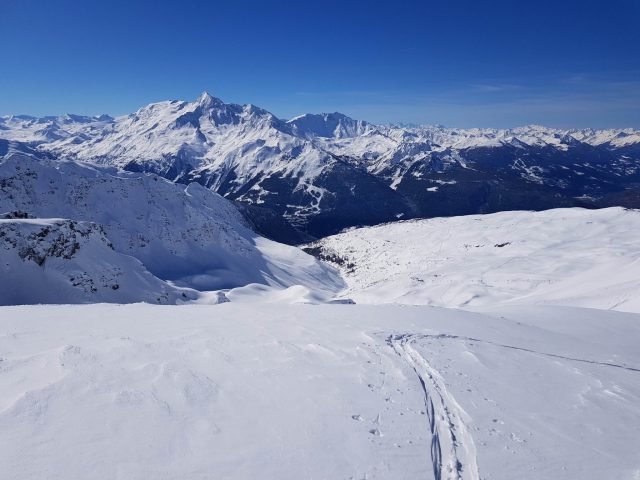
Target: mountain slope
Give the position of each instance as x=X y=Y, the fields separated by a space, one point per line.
x=242 y=152
x=184 y=234
x=65 y=261
x=588 y=258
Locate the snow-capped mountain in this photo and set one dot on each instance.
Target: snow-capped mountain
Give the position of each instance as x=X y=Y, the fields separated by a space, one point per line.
x=183 y=234
x=324 y=172
x=329 y=125
x=242 y=152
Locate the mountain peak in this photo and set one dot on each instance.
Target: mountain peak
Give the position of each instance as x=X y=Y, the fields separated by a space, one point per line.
x=331 y=125
x=104 y=118
x=206 y=100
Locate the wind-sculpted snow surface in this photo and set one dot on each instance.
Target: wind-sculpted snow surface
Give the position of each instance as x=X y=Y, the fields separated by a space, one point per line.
x=187 y=235
x=300 y=391
x=579 y=257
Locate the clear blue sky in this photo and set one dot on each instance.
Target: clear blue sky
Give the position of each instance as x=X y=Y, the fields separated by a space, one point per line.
x=562 y=63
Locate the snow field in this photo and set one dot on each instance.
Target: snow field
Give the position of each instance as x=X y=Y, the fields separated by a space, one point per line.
x=286 y=391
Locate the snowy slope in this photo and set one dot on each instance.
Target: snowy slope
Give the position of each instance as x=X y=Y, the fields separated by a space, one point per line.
x=520 y=381
x=289 y=392
x=184 y=234
x=38 y=130
x=64 y=261
x=578 y=257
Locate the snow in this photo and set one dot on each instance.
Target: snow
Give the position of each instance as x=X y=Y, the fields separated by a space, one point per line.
x=235 y=391
x=64 y=261
x=207 y=136
x=185 y=235
x=329 y=125
x=520 y=382
x=258 y=365
x=588 y=258
x=248 y=154
x=208 y=121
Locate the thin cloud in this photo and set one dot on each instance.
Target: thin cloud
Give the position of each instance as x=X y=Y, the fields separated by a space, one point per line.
x=496 y=87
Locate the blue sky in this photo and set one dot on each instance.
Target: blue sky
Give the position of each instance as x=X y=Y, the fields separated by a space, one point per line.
x=464 y=63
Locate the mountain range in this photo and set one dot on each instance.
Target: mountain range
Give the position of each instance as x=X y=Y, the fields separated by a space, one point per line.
x=316 y=174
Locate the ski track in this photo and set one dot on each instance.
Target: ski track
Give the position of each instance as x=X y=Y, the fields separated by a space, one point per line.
x=528 y=350
x=453 y=452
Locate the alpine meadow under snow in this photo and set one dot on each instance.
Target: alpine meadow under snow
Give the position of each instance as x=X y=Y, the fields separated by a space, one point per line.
x=584 y=258
x=498 y=341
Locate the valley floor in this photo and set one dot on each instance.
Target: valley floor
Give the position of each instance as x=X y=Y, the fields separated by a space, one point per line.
x=318 y=391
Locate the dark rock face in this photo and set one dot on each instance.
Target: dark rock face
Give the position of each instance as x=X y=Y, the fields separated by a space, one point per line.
x=62 y=239
x=272 y=224
x=326 y=254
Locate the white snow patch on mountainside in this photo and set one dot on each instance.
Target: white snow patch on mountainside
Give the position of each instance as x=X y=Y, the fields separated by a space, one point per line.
x=588 y=258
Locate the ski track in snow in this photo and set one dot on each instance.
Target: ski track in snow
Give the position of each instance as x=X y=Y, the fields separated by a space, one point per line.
x=453 y=453
x=522 y=349
x=184 y=392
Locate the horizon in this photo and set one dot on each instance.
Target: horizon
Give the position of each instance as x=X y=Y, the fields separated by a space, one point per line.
x=285 y=119
x=468 y=65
